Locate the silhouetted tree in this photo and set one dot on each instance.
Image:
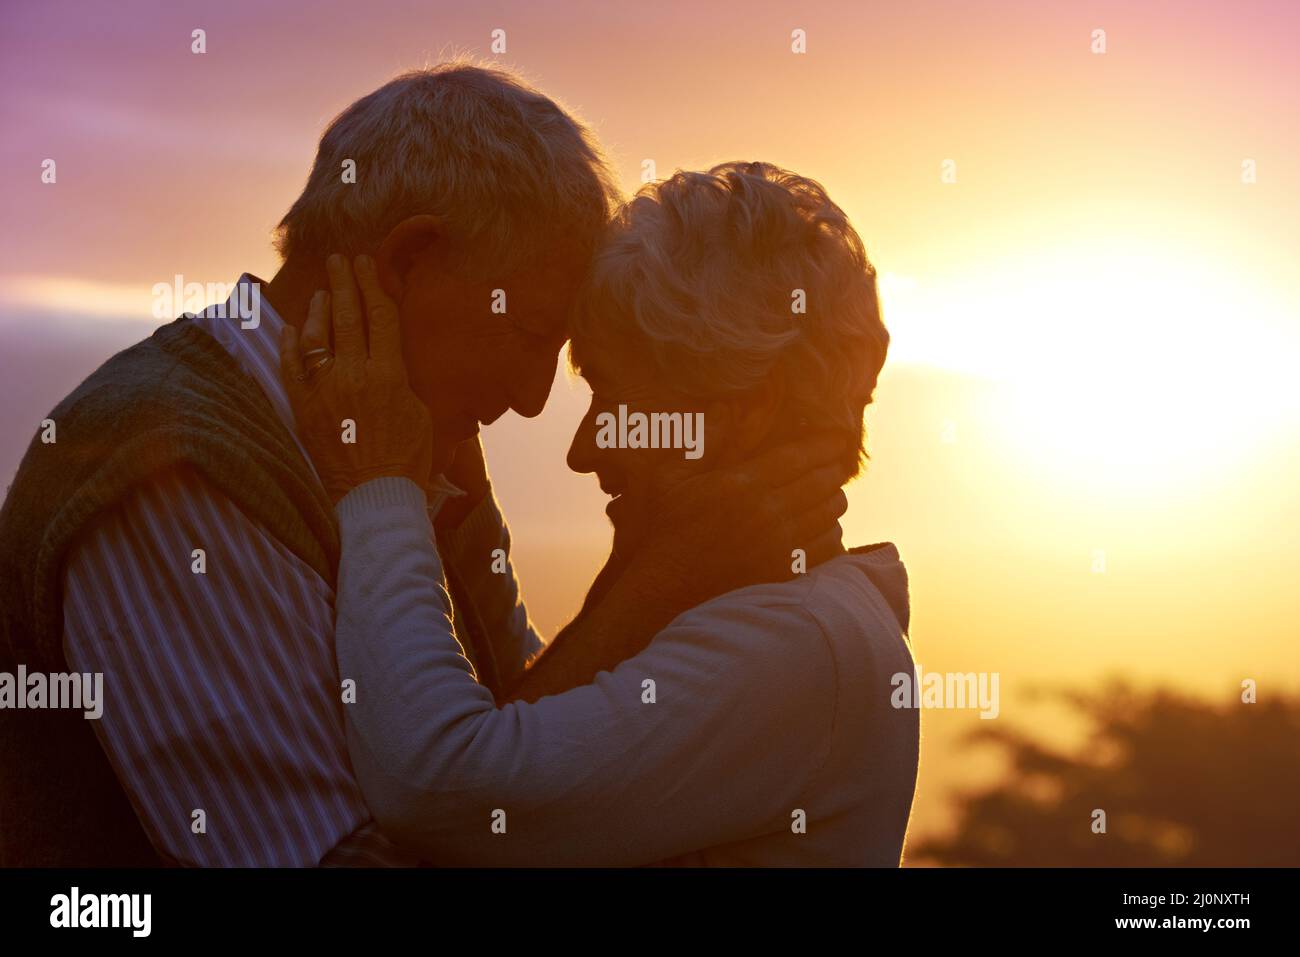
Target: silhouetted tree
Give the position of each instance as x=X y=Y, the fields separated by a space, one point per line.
x=1183 y=782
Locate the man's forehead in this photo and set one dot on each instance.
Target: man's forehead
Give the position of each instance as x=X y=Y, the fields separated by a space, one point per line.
x=546 y=293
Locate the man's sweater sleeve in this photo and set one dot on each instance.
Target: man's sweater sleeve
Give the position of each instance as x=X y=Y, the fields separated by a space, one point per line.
x=709 y=736
x=479 y=549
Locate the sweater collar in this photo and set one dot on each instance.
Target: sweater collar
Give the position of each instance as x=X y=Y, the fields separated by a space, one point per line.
x=254 y=344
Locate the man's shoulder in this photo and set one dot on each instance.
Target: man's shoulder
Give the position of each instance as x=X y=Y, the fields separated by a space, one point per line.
x=134 y=376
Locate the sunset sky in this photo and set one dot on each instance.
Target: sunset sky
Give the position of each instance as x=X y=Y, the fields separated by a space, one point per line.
x=1086 y=442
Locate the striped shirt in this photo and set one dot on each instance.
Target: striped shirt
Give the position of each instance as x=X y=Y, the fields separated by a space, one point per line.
x=223 y=716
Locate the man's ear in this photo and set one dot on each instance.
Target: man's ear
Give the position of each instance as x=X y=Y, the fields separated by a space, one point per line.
x=407 y=243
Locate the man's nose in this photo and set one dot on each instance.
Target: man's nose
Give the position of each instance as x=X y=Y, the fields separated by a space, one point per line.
x=533 y=388
x=582 y=450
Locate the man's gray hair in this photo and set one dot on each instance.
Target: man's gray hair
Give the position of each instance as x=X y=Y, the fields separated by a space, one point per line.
x=502 y=165
x=725 y=279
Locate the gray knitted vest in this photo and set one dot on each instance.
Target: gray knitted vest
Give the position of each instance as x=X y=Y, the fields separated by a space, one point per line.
x=177 y=398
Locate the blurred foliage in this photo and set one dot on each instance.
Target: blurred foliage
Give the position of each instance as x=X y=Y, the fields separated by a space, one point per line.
x=1184 y=783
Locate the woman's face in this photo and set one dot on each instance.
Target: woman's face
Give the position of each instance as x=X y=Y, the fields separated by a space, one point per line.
x=613 y=443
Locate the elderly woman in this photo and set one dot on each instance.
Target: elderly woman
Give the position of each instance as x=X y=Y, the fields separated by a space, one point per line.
x=697 y=721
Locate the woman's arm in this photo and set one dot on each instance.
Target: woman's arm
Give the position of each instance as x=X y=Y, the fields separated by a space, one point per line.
x=708 y=736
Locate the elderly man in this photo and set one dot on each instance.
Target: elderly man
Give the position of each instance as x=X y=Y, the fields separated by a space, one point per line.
x=176 y=539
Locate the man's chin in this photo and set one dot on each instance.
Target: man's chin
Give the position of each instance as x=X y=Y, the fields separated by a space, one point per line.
x=463 y=427
x=488 y=415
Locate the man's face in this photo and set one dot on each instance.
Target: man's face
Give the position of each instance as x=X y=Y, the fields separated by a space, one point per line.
x=640 y=479
x=472 y=352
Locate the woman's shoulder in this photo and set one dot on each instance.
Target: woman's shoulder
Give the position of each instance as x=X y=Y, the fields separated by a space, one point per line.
x=865 y=590
x=861 y=585
x=855 y=605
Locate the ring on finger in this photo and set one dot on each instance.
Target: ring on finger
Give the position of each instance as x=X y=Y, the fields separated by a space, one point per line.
x=315 y=359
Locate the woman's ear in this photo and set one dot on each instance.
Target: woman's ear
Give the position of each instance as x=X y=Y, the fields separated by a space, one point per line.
x=406 y=245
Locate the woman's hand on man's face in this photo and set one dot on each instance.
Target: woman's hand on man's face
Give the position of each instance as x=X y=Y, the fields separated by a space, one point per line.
x=356 y=413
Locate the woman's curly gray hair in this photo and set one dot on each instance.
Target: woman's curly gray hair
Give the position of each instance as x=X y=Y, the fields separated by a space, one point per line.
x=699 y=274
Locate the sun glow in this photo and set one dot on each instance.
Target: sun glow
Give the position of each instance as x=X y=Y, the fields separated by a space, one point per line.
x=1124 y=370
